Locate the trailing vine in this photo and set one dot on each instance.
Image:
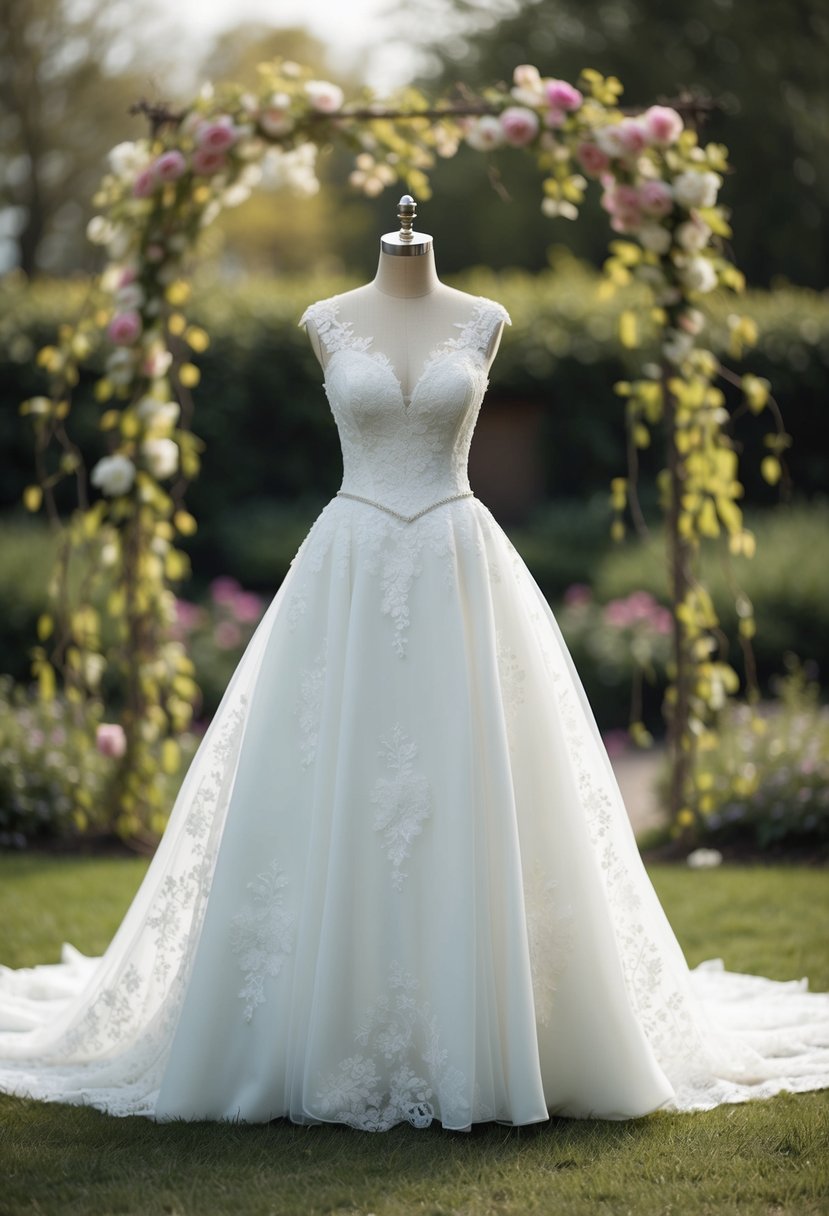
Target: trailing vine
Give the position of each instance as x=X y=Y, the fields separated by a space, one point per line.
x=111 y=622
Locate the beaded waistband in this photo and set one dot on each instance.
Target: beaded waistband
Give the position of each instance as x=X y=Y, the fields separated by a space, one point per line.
x=407 y=519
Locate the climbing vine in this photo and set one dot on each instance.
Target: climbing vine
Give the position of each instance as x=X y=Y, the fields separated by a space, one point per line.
x=112 y=622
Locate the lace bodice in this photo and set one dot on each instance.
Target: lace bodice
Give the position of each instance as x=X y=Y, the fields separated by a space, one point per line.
x=405 y=453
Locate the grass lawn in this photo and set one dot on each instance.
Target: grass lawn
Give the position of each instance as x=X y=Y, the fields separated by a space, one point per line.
x=767 y=1157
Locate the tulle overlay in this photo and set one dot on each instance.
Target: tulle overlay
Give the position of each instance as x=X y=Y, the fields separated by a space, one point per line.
x=399 y=881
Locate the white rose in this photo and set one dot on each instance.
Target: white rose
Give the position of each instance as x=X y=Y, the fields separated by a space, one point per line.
x=128 y=158
x=274 y=118
x=553 y=207
x=693 y=235
x=324 y=96
x=678 y=346
x=114 y=474
x=655 y=237
x=98 y=230
x=485 y=133
x=158 y=414
x=610 y=139
x=161 y=456
x=294 y=170
x=692 y=189
x=698 y=274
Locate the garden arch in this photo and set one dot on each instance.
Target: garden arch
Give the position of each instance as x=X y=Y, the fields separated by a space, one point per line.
x=659 y=187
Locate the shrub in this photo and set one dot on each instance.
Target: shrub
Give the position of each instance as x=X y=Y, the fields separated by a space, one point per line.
x=55 y=783
x=766 y=784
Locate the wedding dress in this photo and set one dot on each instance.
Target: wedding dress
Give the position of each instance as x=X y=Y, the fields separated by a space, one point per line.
x=399 y=881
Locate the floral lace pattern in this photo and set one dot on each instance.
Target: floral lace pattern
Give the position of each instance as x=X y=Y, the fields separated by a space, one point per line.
x=403 y=801
x=550 y=931
x=262 y=935
x=309 y=707
x=405 y=1034
x=512 y=677
x=405 y=458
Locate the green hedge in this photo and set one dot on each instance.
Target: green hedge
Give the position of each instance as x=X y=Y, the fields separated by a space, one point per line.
x=566 y=543
x=267 y=425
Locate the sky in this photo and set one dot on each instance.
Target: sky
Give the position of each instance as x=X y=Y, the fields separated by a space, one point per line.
x=350 y=27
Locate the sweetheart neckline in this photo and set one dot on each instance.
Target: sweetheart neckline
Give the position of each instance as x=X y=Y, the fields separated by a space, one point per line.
x=382 y=360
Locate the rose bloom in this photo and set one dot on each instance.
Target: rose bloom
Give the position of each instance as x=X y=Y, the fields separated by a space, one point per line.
x=110 y=739
x=591 y=158
x=693 y=189
x=274 y=118
x=206 y=161
x=562 y=96
x=170 y=165
x=114 y=474
x=632 y=136
x=124 y=328
x=145 y=183
x=324 y=96
x=656 y=198
x=216 y=136
x=699 y=275
x=693 y=234
x=519 y=125
x=484 y=133
x=161 y=456
x=692 y=321
x=655 y=237
x=663 y=125
x=157 y=362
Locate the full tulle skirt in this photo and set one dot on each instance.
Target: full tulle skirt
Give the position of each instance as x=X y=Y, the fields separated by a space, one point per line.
x=399 y=883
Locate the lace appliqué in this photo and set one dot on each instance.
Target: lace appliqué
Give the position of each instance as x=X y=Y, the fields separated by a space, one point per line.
x=333 y=333
x=550 y=933
x=403 y=801
x=512 y=676
x=262 y=935
x=398 y=1028
x=309 y=707
x=476 y=333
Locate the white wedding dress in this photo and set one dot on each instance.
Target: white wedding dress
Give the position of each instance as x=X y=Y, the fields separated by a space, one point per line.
x=399 y=881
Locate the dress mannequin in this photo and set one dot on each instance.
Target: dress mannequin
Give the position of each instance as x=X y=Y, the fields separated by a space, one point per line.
x=406 y=309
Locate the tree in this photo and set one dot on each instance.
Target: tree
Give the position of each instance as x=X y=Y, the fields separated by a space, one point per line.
x=764 y=63
x=68 y=73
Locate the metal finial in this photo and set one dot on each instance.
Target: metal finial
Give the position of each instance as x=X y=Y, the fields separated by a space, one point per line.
x=406 y=241
x=406 y=212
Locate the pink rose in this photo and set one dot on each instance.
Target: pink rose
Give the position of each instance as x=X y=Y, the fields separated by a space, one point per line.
x=145 y=183
x=662 y=124
x=592 y=159
x=206 y=161
x=128 y=275
x=632 y=136
x=110 y=739
x=655 y=198
x=520 y=125
x=216 y=136
x=170 y=165
x=562 y=96
x=125 y=328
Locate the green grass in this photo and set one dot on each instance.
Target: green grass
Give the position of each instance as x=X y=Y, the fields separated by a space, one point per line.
x=766 y=1158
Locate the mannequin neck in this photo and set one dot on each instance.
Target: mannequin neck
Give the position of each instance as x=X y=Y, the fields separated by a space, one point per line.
x=406 y=276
